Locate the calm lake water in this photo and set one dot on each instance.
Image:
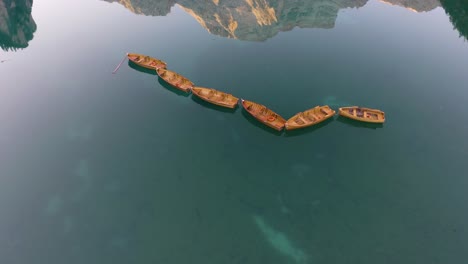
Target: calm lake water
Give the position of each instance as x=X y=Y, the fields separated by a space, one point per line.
x=104 y=168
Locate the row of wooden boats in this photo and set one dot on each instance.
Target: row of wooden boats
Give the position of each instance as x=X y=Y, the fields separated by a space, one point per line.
x=311 y=116
x=260 y=112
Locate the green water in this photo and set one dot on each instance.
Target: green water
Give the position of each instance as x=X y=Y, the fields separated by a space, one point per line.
x=102 y=168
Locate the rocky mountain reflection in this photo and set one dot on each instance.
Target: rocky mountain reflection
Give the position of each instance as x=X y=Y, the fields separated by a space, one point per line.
x=252 y=20
x=415 y=5
x=16 y=24
x=258 y=20
x=147 y=7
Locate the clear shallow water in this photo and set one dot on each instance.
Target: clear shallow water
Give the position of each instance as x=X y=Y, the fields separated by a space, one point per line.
x=102 y=168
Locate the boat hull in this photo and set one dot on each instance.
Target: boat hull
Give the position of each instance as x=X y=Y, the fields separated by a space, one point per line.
x=216 y=97
x=264 y=115
x=146 y=61
x=310 y=117
x=363 y=114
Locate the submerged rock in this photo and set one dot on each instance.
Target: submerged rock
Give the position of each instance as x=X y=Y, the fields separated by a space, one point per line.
x=280 y=242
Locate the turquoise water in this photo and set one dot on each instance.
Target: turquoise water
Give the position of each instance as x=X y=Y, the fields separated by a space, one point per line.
x=103 y=168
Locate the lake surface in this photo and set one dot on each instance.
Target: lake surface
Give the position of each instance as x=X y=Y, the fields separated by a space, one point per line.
x=104 y=168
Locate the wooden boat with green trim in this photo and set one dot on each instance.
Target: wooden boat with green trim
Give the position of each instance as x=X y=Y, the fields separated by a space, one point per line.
x=215 y=97
x=363 y=114
x=146 y=61
x=310 y=117
x=264 y=115
x=175 y=79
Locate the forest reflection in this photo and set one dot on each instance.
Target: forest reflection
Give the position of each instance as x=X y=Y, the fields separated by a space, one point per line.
x=16 y=24
x=457 y=10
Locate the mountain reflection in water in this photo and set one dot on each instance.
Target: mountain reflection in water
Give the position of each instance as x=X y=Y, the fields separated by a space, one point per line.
x=16 y=24
x=259 y=20
x=251 y=20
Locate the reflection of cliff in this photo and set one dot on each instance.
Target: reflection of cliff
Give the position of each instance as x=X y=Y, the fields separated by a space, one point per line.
x=258 y=20
x=145 y=7
x=16 y=24
x=255 y=20
x=458 y=13
x=415 y=5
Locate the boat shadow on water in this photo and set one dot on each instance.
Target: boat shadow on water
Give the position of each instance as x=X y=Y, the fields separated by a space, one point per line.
x=307 y=130
x=135 y=66
x=203 y=103
x=259 y=124
x=356 y=123
x=172 y=89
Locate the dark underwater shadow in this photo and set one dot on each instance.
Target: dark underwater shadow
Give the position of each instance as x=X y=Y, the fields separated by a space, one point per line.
x=259 y=124
x=356 y=123
x=204 y=103
x=137 y=67
x=307 y=130
x=172 y=89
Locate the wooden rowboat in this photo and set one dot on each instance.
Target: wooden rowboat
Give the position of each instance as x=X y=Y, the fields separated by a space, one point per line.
x=310 y=117
x=264 y=115
x=175 y=79
x=216 y=97
x=146 y=61
x=363 y=114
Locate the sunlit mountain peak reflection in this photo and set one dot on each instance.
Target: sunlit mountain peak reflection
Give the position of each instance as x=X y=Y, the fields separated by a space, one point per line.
x=225 y=26
x=258 y=20
x=145 y=7
x=16 y=24
x=415 y=5
x=264 y=14
x=254 y=20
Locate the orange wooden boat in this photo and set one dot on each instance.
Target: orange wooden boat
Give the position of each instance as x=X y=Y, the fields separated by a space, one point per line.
x=146 y=61
x=363 y=114
x=175 y=79
x=310 y=117
x=264 y=115
x=216 y=97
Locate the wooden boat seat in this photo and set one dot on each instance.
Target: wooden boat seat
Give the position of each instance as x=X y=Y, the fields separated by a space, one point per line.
x=299 y=120
x=309 y=117
x=325 y=111
x=371 y=115
x=210 y=94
